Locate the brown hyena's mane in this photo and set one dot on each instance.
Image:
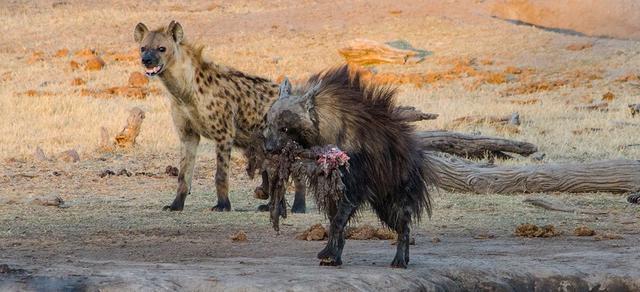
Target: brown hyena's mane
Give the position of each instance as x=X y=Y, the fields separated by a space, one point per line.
x=386 y=158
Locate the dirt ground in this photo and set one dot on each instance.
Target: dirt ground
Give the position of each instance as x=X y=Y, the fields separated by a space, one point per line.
x=110 y=233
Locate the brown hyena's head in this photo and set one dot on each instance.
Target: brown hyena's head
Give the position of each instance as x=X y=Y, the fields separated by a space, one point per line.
x=290 y=118
x=158 y=47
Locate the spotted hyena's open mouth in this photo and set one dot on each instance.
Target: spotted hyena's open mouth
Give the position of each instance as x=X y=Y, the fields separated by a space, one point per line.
x=153 y=71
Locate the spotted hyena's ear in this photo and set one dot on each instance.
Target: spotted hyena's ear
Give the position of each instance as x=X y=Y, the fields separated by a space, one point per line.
x=140 y=32
x=285 y=88
x=175 y=30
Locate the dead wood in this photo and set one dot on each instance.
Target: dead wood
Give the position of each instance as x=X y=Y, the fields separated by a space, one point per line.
x=512 y=119
x=127 y=137
x=556 y=206
x=474 y=147
x=368 y=52
x=601 y=106
x=614 y=176
x=411 y=114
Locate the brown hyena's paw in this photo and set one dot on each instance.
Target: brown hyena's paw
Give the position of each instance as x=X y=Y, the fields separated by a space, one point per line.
x=634 y=198
x=328 y=257
x=259 y=193
x=399 y=262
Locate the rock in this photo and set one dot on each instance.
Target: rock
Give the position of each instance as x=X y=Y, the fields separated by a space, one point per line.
x=171 y=170
x=579 y=47
x=106 y=172
x=124 y=171
x=61 y=53
x=315 y=232
x=531 y=230
x=85 y=53
x=69 y=156
x=94 y=63
x=78 y=82
x=583 y=231
x=239 y=236
x=47 y=200
x=39 y=154
x=35 y=57
x=137 y=79
x=608 y=96
x=74 y=65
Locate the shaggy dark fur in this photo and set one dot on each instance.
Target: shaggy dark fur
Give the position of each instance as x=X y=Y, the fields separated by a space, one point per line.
x=386 y=162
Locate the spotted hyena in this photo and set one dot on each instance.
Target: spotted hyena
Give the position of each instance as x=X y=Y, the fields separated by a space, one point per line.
x=207 y=100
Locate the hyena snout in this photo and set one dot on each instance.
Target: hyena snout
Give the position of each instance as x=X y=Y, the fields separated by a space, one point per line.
x=149 y=59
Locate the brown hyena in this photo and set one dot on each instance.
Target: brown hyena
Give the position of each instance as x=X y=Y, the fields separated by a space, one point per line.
x=207 y=100
x=386 y=163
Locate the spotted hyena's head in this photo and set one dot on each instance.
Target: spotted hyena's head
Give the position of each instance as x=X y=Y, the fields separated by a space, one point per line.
x=290 y=119
x=158 y=47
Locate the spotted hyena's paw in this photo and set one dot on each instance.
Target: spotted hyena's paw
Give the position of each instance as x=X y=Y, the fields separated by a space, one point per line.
x=263 y=208
x=222 y=207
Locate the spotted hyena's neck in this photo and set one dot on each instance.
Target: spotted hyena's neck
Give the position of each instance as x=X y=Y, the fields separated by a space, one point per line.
x=179 y=77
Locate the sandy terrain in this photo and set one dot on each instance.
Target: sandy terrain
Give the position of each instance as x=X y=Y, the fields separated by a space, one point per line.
x=111 y=233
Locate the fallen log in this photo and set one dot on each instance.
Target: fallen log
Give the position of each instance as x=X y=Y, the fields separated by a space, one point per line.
x=368 y=52
x=411 y=114
x=456 y=174
x=473 y=147
x=127 y=137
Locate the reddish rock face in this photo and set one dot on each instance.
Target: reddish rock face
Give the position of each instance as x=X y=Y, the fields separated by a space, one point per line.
x=613 y=18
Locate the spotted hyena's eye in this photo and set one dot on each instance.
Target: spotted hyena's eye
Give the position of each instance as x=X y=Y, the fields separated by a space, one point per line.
x=284 y=129
x=142 y=49
x=162 y=49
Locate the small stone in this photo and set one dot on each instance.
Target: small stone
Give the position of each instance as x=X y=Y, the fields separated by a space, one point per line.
x=239 y=236
x=435 y=240
x=78 y=82
x=70 y=156
x=137 y=79
x=124 y=171
x=171 y=170
x=85 y=53
x=106 y=172
x=584 y=231
x=94 y=63
x=74 y=65
x=61 y=53
x=39 y=154
x=48 y=200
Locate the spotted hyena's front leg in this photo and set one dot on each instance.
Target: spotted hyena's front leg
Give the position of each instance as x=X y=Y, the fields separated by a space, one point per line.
x=222 y=176
x=189 y=148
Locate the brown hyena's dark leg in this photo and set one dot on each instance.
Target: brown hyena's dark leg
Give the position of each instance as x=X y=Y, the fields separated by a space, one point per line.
x=402 y=253
x=222 y=176
x=299 y=203
x=189 y=148
x=331 y=255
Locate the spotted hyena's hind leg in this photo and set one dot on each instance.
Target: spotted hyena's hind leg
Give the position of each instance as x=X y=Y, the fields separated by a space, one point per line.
x=222 y=176
x=634 y=198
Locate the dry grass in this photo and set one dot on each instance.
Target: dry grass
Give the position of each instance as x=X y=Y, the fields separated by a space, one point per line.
x=63 y=118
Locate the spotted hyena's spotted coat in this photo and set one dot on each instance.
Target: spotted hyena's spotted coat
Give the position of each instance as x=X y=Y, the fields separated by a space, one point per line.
x=207 y=100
